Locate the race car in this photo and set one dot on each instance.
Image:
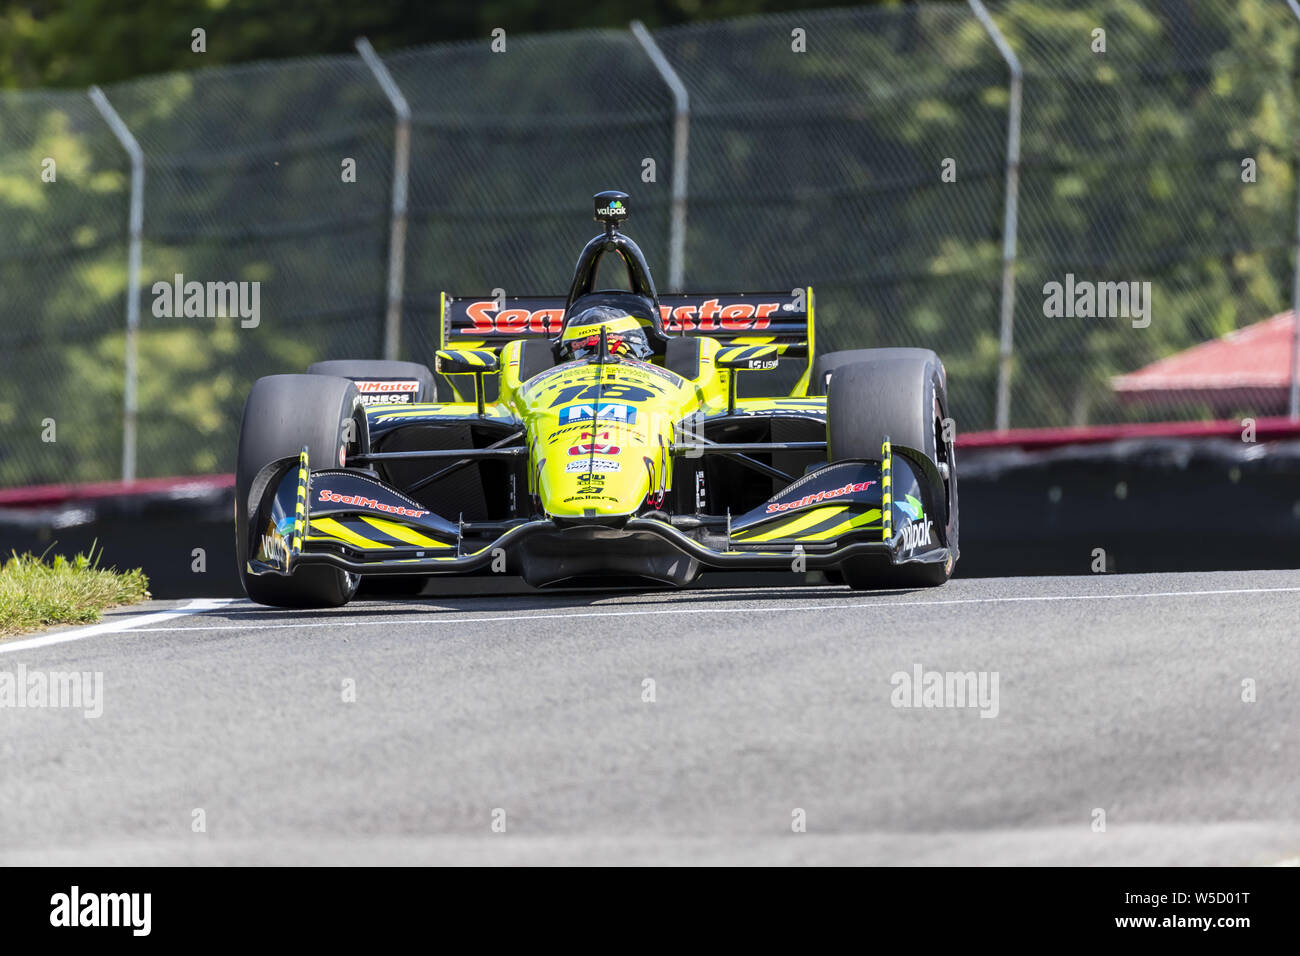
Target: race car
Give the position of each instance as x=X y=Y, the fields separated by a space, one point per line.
x=600 y=438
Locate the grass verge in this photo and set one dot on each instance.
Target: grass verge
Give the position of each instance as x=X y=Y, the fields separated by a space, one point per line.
x=35 y=593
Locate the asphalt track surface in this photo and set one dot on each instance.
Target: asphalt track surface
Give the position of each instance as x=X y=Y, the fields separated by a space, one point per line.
x=1118 y=693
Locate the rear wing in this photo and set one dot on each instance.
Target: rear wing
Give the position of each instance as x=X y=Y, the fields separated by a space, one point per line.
x=489 y=323
x=783 y=319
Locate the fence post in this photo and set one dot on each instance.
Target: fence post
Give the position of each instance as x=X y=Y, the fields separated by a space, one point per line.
x=130 y=402
x=401 y=174
x=1002 y=415
x=681 y=139
x=1293 y=402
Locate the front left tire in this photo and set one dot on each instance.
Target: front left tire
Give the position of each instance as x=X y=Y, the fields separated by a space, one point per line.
x=902 y=394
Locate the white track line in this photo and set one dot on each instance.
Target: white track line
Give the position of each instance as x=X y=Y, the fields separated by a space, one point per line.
x=369 y=621
x=115 y=626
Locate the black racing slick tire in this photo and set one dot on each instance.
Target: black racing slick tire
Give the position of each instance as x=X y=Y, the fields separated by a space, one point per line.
x=283 y=413
x=902 y=394
x=380 y=370
x=825 y=365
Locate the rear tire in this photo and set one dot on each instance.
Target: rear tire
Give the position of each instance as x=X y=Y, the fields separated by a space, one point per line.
x=283 y=413
x=825 y=365
x=902 y=394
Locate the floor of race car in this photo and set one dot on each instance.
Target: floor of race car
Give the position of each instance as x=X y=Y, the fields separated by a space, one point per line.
x=1165 y=708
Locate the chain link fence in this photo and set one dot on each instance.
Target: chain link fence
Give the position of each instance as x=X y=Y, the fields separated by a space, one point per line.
x=826 y=167
x=862 y=151
x=1132 y=171
x=63 y=248
x=507 y=149
x=245 y=183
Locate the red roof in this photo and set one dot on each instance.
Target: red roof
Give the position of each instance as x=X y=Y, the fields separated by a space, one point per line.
x=1250 y=367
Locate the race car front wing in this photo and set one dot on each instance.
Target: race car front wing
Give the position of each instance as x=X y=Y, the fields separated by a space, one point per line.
x=353 y=521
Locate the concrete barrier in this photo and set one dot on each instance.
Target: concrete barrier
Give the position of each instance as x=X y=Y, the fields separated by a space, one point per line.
x=1142 y=501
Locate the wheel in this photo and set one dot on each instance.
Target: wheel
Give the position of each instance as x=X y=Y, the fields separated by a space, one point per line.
x=283 y=413
x=380 y=370
x=682 y=356
x=900 y=393
x=825 y=365
x=535 y=357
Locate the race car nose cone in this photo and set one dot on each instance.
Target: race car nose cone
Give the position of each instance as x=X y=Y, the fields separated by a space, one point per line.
x=611 y=207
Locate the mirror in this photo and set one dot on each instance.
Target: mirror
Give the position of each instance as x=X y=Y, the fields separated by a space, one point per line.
x=466 y=361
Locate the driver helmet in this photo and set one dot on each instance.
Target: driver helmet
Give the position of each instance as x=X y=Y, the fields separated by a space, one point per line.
x=623 y=334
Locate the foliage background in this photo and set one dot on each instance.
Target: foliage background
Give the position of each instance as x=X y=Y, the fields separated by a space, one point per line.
x=822 y=167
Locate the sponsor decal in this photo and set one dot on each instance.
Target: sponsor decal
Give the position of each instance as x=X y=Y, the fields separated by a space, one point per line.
x=916 y=534
x=535 y=383
x=408 y=385
x=360 y=501
x=911 y=507
x=486 y=320
x=640 y=371
x=807 y=407
x=596 y=464
x=761 y=365
x=395 y=392
x=610 y=411
x=568 y=430
x=607 y=431
x=274 y=549
x=818 y=497
x=589 y=331
x=629 y=374
x=594 y=449
x=710 y=316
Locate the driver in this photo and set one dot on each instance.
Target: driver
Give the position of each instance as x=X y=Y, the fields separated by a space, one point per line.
x=623 y=335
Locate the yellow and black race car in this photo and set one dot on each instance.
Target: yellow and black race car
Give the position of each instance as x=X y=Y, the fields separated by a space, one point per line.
x=613 y=449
